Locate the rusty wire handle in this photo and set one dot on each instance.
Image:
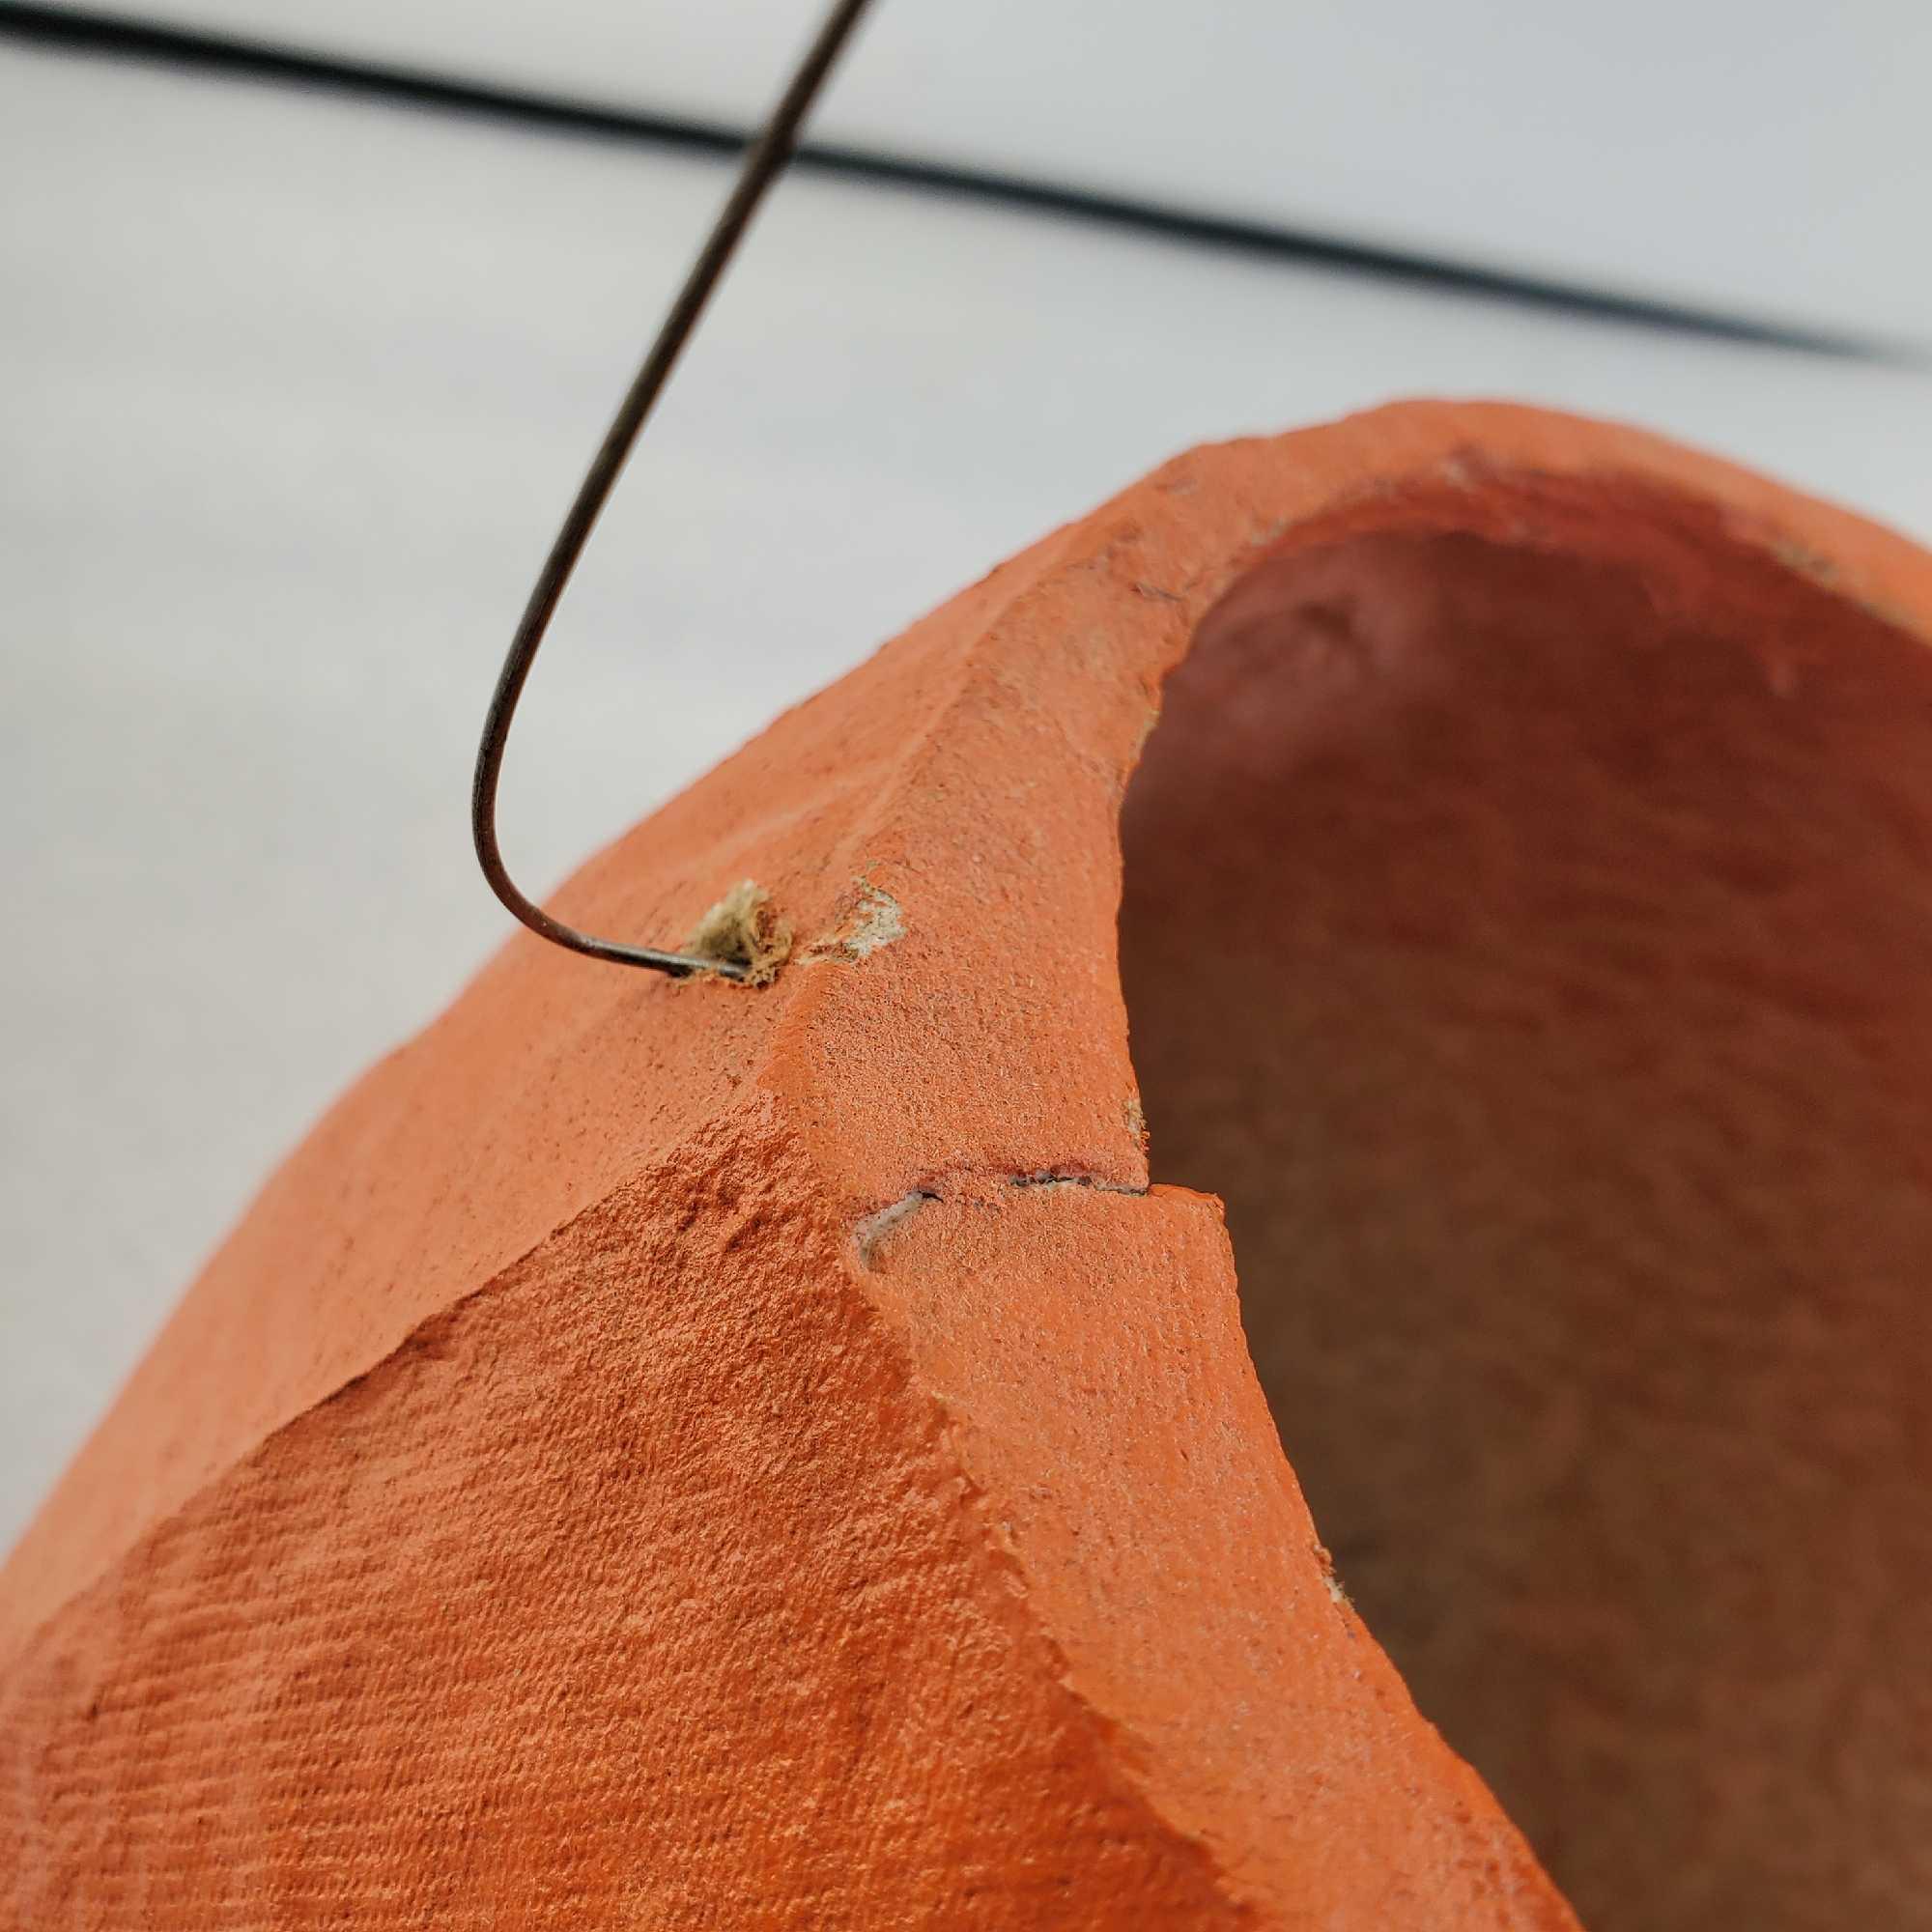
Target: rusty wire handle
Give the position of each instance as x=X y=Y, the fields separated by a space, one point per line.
x=764 y=164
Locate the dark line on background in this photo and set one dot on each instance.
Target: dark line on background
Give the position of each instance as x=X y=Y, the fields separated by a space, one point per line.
x=118 y=36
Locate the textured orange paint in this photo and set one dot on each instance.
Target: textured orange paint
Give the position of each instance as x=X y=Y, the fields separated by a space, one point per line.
x=678 y=1456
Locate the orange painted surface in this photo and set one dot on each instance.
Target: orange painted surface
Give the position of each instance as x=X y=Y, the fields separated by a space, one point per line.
x=674 y=1455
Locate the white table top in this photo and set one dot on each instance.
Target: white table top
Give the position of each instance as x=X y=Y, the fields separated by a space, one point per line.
x=1768 y=154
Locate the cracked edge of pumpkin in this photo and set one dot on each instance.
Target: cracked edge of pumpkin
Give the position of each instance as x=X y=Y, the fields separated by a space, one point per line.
x=872 y=1229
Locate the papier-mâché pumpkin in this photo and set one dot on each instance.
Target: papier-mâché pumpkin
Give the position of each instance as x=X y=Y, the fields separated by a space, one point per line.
x=687 y=1455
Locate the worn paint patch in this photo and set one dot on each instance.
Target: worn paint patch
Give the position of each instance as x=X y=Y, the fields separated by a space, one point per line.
x=879 y=922
x=875 y=921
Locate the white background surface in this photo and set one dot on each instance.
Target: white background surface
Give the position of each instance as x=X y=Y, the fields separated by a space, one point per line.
x=293 y=391
x=1773 y=155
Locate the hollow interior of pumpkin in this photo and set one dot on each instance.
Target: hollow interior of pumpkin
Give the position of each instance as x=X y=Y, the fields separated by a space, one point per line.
x=1536 y=957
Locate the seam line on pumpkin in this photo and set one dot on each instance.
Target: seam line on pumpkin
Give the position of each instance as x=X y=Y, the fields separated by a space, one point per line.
x=872 y=1229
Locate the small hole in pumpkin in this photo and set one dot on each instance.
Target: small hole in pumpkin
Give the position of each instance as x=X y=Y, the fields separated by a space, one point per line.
x=742 y=930
x=1536 y=955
